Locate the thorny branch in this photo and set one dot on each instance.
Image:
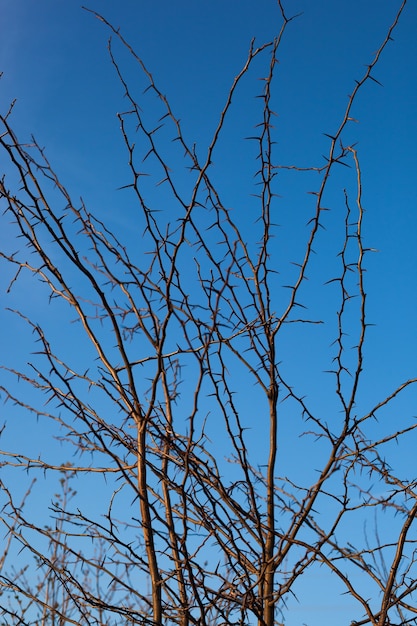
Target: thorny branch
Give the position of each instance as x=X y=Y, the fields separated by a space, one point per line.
x=193 y=524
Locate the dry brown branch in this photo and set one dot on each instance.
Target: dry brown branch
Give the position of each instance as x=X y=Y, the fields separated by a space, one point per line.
x=176 y=398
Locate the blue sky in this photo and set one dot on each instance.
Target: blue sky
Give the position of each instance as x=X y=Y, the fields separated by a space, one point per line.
x=55 y=63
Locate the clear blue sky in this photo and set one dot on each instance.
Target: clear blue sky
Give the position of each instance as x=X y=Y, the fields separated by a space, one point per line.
x=53 y=55
x=55 y=62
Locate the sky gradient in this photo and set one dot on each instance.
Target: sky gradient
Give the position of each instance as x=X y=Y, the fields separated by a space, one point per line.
x=55 y=63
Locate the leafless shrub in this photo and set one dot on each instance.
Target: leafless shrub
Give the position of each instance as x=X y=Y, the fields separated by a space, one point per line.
x=176 y=400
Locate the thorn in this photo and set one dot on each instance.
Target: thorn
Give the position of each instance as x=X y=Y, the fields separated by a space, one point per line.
x=375 y=80
x=341 y=163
